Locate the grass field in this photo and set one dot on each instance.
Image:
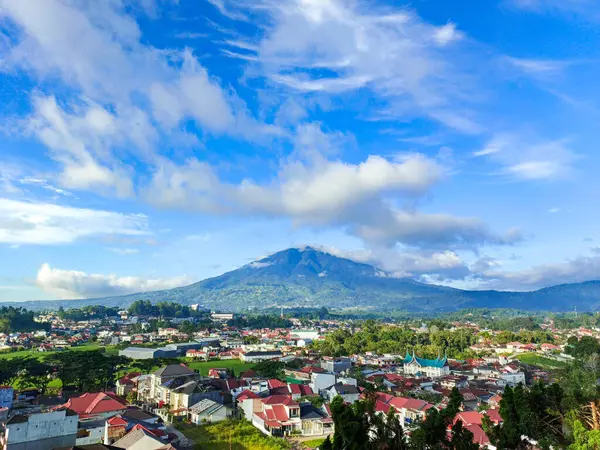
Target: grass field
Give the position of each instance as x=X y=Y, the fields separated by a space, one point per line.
x=538 y=360
x=232 y=434
x=235 y=365
x=313 y=443
x=38 y=354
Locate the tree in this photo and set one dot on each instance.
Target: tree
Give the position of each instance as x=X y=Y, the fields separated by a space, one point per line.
x=584 y=439
x=131 y=397
x=326 y=445
x=508 y=434
x=37 y=373
x=455 y=401
x=462 y=439
x=89 y=369
x=431 y=433
x=10 y=369
x=269 y=369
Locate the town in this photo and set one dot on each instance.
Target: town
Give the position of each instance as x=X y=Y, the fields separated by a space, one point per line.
x=170 y=376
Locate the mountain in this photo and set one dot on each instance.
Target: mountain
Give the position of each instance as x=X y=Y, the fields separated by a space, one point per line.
x=312 y=278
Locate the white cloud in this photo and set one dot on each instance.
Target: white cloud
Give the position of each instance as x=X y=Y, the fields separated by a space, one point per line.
x=44 y=185
x=446 y=34
x=72 y=284
x=124 y=251
x=554 y=210
x=576 y=270
x=190 y=35
x=47 y=224
x=95 y=50
x=259 y=264
x=587 y=7
x=434 y=230
x=318 y=191
x=538 y=67
x=405 y=62
x=527 y=159
x=402 y=262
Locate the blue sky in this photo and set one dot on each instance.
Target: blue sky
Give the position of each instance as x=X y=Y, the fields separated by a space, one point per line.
x=150 y=144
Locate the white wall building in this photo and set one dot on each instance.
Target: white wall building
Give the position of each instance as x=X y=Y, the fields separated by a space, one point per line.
x=40 y=431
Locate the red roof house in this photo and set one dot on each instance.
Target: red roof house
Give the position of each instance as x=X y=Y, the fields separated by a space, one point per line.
x=96 y=404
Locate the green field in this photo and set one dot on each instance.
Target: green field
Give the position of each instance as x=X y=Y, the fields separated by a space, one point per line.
x=313 y=443
x=234 y=365
x=538 y=360
x=38 y=354
x=232 y=434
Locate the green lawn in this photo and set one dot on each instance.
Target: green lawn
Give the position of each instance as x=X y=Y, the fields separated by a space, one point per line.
x=313 y=443
x=539 y=360
x=38 y=354
x=232 y=434
x=236 y=365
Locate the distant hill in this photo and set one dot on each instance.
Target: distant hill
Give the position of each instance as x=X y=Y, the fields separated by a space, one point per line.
x=312 y=278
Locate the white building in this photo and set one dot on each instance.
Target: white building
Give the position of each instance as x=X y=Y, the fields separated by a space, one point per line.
x=40 y=431
x=434 y=368
x=208 y=411
x=258 y=356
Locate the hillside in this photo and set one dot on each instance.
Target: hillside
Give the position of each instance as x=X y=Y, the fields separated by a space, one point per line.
x=312 y=278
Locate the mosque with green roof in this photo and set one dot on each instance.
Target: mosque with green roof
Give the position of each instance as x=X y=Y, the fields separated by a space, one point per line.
x=434 y=368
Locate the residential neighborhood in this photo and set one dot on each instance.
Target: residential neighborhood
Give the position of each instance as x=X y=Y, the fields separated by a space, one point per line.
x=275 y=378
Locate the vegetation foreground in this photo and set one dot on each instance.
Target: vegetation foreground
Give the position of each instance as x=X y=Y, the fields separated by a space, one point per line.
x=232 y=434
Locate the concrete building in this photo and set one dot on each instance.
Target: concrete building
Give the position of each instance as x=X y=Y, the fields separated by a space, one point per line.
x=306 y=334
x=40 y=431
x=257 y=356
x=321 y=381
x=221 y=317
x=183 y=347
x=336 y=365
x=7 y=394
x=148 y=353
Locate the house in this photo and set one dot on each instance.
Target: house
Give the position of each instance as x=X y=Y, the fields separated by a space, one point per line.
x=98 y=405
x=149 y=388
x=434 y=368
x=257 y=356
x=42 y=431
x=139 y=439
x=299 y=390
x=472 y=421
x=93 y=410
x=548 y=348
x=277 y=415
x=118 y=426
x=197 y=354
x=208 y=411
x=315 y=421
x=181 y=393
x=127 y=383
x=409 y=409
x=348 y=392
